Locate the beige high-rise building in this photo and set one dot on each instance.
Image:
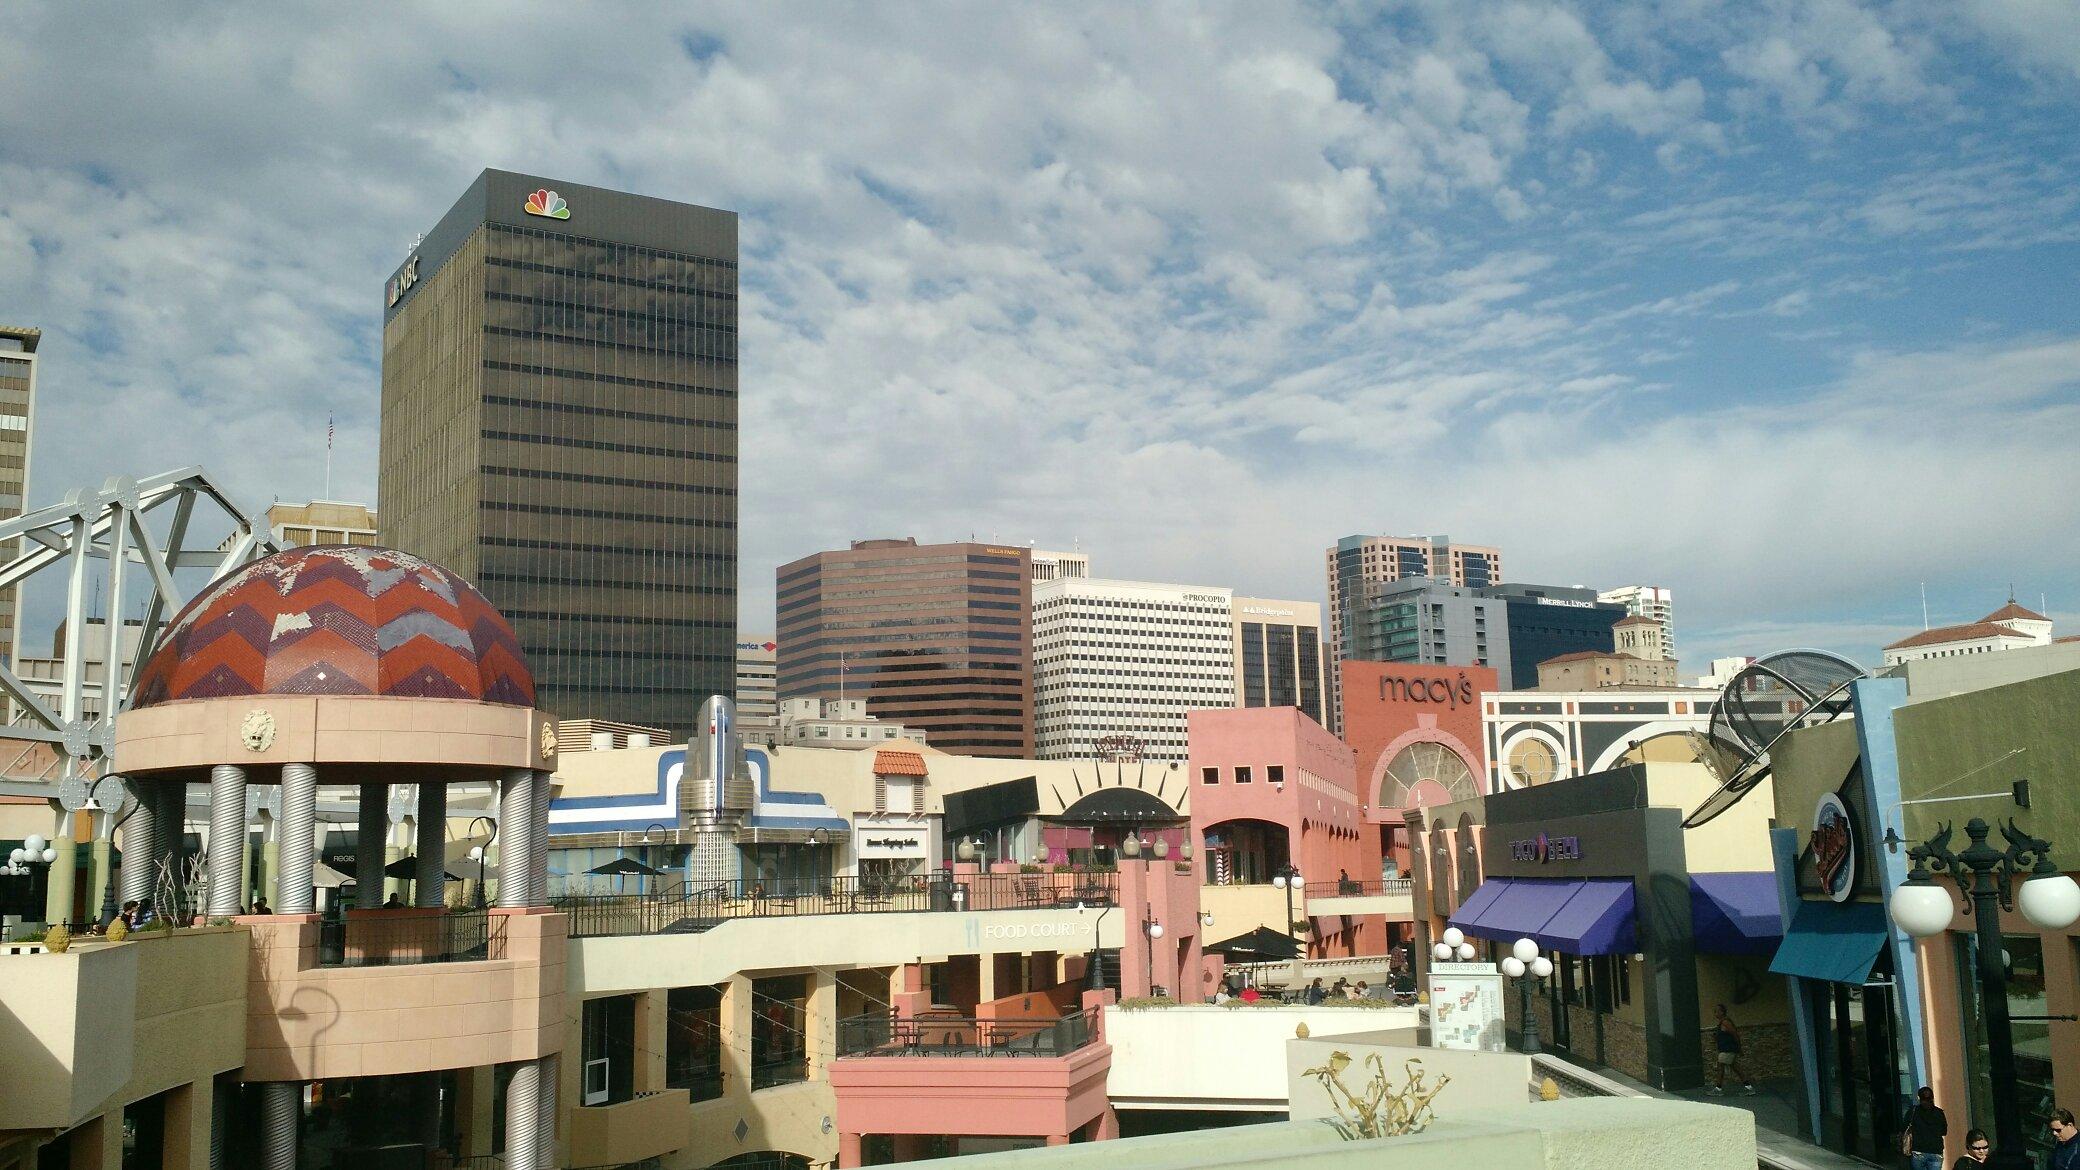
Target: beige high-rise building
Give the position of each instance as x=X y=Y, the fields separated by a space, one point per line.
x=322 y=522
x=1358 y=561
x=17 y=420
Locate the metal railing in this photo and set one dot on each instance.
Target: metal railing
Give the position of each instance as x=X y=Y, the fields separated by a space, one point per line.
x=1354 y=888
x=885 y=1034
x=683 y=909
x=374 y=938
x=785 y=1070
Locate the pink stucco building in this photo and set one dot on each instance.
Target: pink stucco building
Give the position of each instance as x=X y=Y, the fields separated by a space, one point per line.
x=1273 y=789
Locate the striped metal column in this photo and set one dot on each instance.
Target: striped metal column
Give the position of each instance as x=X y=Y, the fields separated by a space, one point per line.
x=281 y=1106
x=298 y=849
x=429 y=875
x=524 y=1117
x=227 y=840
x=134 y=878
x=515 y=836
x=545 y=1088
x=371 y=833
x=538 y=853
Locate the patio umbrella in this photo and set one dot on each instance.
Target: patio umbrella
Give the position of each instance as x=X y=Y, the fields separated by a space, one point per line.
x=1260 y=944
x=408 y=867
x=626 y=865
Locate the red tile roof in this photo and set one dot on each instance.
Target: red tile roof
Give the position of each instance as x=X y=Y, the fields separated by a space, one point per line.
x=1969 y=632
x=892 y=762
x=1636 y=619
x=1581 y=656
x=2012 y=612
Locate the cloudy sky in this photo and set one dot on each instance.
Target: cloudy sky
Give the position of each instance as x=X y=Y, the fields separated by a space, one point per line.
x=1772 y=303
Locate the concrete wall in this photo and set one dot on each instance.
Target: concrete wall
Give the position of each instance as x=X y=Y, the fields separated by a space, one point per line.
x=59 y=1019
x=605 y=966
x=1592 y=1133
x=1480 y=1081
x=1206 y=1057
x=307 y=1022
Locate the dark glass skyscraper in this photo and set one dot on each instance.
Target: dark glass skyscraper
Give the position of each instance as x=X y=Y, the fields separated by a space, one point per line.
x=560 y=427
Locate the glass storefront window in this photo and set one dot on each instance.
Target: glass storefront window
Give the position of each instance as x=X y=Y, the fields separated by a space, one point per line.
x=693 y=1041
x=779 y=1022
x=2026 y=998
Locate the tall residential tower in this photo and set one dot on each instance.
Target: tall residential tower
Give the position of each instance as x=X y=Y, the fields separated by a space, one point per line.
x=560 y=428
x=1359 y=561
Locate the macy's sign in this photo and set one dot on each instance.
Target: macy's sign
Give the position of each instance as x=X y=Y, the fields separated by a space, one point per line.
x=1431 y=690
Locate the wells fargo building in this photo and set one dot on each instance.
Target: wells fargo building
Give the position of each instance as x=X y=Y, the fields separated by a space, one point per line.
x=560 y=427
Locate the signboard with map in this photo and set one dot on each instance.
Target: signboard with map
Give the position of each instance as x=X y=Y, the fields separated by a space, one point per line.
x=1466 y=1007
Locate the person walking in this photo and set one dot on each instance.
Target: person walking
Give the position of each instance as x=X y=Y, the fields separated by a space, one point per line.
x=2065 y=1154
x=1727 y=1036
x=1976 y=1150
x=1926 y=1129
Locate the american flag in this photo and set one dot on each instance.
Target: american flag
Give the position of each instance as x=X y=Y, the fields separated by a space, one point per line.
x=328 y=432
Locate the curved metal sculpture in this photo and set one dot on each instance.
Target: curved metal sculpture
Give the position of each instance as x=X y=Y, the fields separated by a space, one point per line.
x=112 y=538
x=1767 y=700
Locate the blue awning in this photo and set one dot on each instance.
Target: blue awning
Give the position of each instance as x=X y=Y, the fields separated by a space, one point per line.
x=1833 y=942
x=1735 y=913
x=1591 y=917
x=1476 y=902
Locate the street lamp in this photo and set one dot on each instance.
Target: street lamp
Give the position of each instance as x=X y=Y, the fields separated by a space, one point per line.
x=2050 y=901
x=477 y=852
x=1288 y=879
x=1093 y=979
x=1453 y=945
x=1525 y=964
x=1154 y=931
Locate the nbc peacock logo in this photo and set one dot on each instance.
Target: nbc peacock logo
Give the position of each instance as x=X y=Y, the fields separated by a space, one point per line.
x=548 y=204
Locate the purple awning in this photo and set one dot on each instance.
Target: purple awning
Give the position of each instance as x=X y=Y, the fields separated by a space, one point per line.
x=1520 y=908
x=1578 y=917
x=1476 y=903
x=1598 y=920
x=1735 y=913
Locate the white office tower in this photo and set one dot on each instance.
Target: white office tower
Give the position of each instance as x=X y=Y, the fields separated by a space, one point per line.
x=1116 y=664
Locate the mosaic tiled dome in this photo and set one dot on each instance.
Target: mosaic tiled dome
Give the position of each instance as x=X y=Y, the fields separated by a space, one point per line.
x=339 y=620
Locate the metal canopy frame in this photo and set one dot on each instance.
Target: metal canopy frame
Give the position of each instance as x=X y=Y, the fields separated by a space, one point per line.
x=110 y=526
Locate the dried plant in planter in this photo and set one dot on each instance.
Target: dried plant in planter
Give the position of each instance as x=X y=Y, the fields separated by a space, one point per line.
x=1381 y=1110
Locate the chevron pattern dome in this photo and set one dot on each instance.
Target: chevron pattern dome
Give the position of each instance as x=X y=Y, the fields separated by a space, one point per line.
x=339 y=620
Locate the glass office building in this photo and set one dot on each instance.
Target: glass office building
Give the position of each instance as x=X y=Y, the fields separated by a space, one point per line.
x=560 y=427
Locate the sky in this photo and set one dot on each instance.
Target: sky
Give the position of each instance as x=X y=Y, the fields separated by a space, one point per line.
x=1771 y=303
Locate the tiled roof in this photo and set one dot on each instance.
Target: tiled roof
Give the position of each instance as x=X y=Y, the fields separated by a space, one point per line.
x=338 y=620
x=893 y=762
x=2012 y=612
x=1638 y=619
x=1581 y=656
x=1941 y=635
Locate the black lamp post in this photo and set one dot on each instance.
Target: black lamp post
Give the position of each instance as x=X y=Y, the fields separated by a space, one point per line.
x=1985 y=876
x=1288 y=879
x=1093 y=978
x=1526 y=965
x=479 y=852
x=1153 y=930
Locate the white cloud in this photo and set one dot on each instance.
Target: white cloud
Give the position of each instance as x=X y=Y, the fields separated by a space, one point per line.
x=1203 y=287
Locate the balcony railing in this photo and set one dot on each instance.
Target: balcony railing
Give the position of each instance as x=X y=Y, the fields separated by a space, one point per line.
x=937 y=1035
x=684 y=909
x=1353 y=888
x=377 y=938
